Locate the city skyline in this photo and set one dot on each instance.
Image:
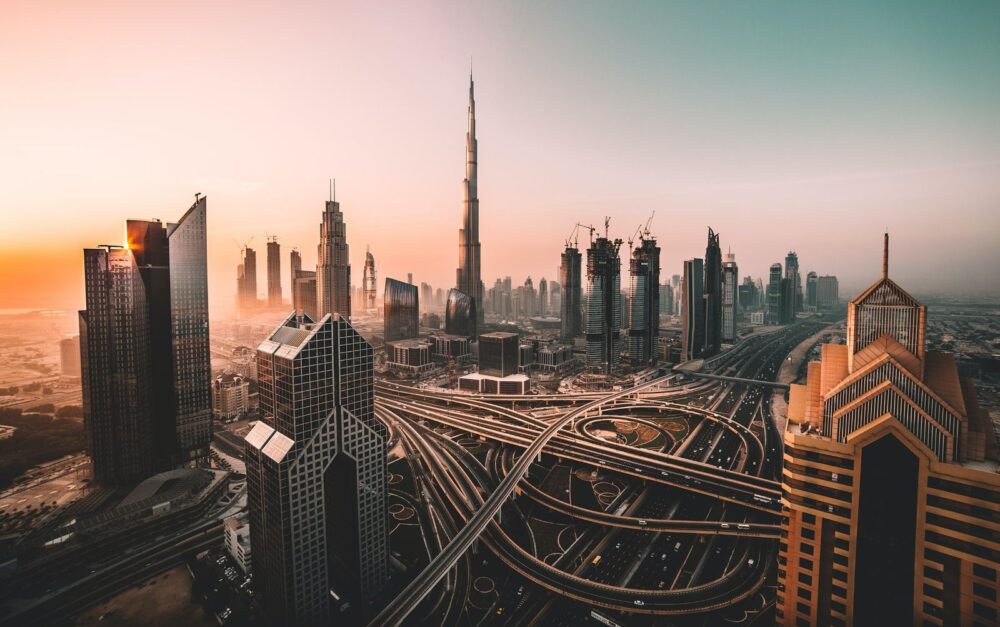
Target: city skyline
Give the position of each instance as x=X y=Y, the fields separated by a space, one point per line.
x=920 y=163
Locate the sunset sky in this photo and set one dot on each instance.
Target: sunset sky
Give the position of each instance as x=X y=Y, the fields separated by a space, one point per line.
x=783 y=125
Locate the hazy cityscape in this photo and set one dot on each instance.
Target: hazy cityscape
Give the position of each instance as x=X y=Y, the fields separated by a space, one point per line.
x=644 y=408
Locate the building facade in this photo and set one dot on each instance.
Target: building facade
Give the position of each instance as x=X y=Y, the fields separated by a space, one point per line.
x=889 y=489
x=644 y=305
x=827 y=292
x=460 y=314
x=713 y=295
x=144 y=347
x=604 y=309
x=230 y=397
x=498 y=353
x=273 y=272
x=572 y=291
x=316 y=472
x=692 y=310
x=333 y=265
x=730 y=298
x=304 y=299
x=402 y=310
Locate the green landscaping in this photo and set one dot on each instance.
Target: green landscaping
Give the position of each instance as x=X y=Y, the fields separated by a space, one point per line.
x=39 y=438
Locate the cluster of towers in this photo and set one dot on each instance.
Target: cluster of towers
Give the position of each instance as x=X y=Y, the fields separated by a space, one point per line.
x=709 y=301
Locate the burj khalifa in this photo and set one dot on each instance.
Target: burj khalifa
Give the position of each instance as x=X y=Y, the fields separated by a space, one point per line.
x=468 y=274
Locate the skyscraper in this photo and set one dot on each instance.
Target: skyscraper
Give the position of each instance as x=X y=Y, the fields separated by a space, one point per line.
x=827 y=291
x=459 y=314
x=604 y=319
x=468 y=280
x=333 y=265
x=713 y=295
x=644 y=316
x=369 y=281
x=543 y=297
x=774 y=295
x=304 y=293
x=246 y=280
x=402 y=310
x=792 y=273
x=273 y=272
x=692 y=310
x=145 y=360
x=316 y=472
x=572 y=311
x=811 y=289
x=888 y=517
x=295 y=263
x=730 y=298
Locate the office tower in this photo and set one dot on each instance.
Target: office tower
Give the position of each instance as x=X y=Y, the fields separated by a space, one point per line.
x=713 y=295
x=604 y=320
x=468 y=280
x=439 y=297
x=402 y=310
x=529 y=302
x=498 y=353
x=246 y=280
x=675 y=285
x=666 y=300
x=572 y=310
x=543 y=297
x=692 y=310
x=426 y=296
x=273 y=272
x=811 y=290
x=644 y=305
x=368 y=282
x=304 y=294
x=774 y=295
x=460 y=314
x=787 y=304
x=295 y=262
x=749 y=296
x=730 y=298
x=827 y=291
x=333 y=265
x=144 y=349
x=792 y=272
x=888 y=513
x=316 y=472
x=69 y=356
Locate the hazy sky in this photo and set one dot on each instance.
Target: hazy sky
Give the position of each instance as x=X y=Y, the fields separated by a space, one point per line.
x=783 y=125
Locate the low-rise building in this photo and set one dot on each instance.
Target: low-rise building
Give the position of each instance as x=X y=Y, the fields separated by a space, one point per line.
x=487 y=384
x=410 y=355
x=237 y=531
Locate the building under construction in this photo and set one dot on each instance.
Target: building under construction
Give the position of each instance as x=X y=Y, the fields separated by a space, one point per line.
x=603 y=327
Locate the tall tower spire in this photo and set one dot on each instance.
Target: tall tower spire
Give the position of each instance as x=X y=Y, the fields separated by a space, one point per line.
x=468 y=273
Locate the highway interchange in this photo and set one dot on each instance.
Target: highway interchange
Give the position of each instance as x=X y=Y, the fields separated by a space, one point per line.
x=689 y=535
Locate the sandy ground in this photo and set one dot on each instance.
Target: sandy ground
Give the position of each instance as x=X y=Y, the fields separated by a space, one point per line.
x=164 y=600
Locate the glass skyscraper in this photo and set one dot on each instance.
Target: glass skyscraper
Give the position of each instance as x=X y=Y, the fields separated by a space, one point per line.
x=402 y=310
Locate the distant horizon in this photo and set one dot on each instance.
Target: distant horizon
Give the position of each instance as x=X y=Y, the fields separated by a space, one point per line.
x=729 y=117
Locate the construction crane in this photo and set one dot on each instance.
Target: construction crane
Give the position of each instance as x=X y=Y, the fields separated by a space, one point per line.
x=574 y=237
x=645 y=230
x=244 y=245
x=589 y=227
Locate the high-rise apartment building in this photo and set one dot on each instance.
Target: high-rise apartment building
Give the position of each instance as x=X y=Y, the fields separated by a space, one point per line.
x=146 y=370
x=402 y=310
x=246 y=280
x=369 y=282
x=774 y=295
x=295 y=263
x=468 y=279
x=304 y=294
x=730 y=298
x=644 y=305
x=692 y=310
x=792 y=273
x=333 y=265
x=713 y=295
x=572 y=309
x=273 y=272
x=889 y=515
x=827 y=291
x=604 y=319
x=316 y=473
x=811 y=290
x=498 y=353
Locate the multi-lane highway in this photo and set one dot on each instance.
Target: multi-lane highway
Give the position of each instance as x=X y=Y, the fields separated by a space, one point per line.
x=693 y=532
